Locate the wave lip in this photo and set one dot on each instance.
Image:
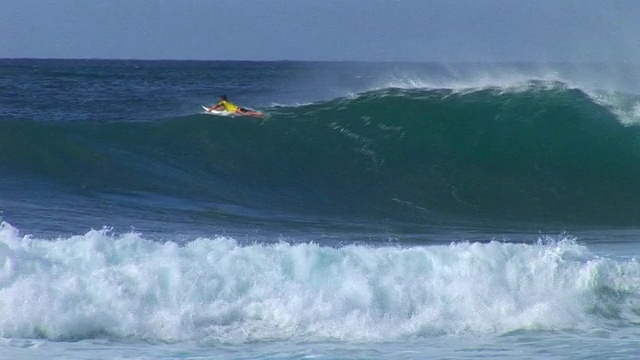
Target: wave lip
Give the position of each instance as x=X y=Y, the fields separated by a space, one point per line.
x=101 y=285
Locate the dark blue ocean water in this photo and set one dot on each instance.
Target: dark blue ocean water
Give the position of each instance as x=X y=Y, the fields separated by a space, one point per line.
x=379 y=210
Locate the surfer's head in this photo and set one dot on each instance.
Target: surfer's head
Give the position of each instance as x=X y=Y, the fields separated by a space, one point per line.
x=223 y=97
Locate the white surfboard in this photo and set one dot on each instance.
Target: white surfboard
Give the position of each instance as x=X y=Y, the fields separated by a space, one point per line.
x=218 y=112
x=231 y=114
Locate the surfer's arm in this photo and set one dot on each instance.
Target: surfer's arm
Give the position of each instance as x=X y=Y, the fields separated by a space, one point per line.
x=217 y=106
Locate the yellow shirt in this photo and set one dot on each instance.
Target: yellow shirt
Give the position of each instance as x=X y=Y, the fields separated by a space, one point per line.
x=230 y=107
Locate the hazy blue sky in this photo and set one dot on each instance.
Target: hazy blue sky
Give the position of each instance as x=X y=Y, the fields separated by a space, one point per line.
x=418 y=30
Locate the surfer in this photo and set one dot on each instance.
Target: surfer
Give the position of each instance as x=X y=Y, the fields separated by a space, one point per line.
x=226 y=105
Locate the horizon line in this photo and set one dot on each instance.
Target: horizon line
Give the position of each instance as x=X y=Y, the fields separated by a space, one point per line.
x=331 y=61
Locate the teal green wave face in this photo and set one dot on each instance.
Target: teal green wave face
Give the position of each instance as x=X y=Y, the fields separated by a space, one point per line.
x=534 y=154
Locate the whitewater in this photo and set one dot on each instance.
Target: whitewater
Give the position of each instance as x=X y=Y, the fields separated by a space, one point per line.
x=379 y=211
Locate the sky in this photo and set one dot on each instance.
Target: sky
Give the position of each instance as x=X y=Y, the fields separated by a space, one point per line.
x=358 y=30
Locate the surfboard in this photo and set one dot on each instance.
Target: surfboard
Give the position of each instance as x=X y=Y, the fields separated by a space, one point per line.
x=218 y=112
x=230 y=114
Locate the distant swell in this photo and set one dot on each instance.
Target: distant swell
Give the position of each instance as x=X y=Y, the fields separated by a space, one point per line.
x=543 y=153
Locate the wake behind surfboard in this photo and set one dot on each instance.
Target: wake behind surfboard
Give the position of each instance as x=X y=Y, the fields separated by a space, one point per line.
x=230 y=114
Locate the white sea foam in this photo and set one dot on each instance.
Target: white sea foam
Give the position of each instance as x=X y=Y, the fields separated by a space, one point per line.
x=626 y=107
x=125 y=286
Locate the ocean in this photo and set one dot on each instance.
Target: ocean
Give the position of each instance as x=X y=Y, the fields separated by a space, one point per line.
x=377 y=211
